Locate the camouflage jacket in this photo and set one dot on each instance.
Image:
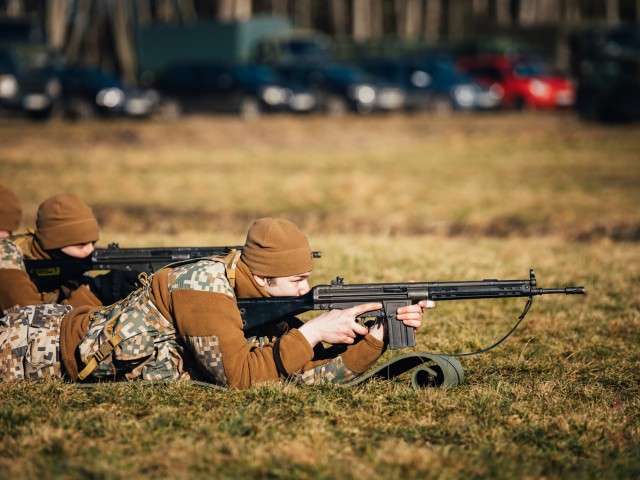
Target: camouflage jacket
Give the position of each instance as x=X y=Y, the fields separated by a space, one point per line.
x=134 y=339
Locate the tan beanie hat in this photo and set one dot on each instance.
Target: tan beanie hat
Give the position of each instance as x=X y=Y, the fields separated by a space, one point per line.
x=277 y=248
x=65 y=220
x=10 y=210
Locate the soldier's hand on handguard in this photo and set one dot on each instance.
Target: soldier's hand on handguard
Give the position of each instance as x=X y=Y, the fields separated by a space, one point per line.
x=337 y=326
x=410 y=315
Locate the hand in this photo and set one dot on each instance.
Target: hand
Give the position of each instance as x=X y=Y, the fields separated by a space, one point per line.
x=337 y=326
x=410 y=315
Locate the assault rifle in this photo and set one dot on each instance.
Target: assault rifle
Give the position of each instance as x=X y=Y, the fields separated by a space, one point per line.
x=50 y=274
x=258 y=313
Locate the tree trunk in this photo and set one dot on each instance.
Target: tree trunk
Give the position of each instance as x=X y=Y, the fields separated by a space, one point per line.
x=279 y=8
x=123 y=36
x=14 y=8
x=572 y=11
x=302 y=15
x=57 y=14
x=234 y=10
x=78 y=26
x=377 y=19
x=432 y=20
x=142 y=10
x=339 y=17
x=613 y=12
x=456 y=19
x=361 y=20
x=503 y=13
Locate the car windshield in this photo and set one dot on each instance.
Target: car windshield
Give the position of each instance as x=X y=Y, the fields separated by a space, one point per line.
x=346 y=73
x=7 y=61
x=442 y=67
x=261 y=74
x=94 y=76
x=624 y=40
x=306 y=48
x=530 y=68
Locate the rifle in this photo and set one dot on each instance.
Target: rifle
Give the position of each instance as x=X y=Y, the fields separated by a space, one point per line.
x=258 y=313
x=50 y=274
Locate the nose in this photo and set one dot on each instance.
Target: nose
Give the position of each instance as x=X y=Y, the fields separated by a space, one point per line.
x=89 y=248
x=303 y=287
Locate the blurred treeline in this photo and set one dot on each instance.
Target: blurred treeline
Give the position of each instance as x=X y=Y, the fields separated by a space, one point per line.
x=102 y=32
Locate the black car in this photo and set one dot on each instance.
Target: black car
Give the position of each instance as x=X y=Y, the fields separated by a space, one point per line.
x=606 y=63
x=345 y=87
x=247 y=90
x=28 y=83
x=432 y=83
x=89 y=92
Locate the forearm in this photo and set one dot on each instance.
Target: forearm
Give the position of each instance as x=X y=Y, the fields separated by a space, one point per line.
x=211 y=322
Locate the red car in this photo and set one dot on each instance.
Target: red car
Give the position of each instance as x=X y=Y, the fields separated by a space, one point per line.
x=521 y=82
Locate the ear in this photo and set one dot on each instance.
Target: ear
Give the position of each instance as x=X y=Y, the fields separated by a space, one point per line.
x=260 y=280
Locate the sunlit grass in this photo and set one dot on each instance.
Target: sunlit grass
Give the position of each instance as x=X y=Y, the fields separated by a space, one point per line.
x=384 y=200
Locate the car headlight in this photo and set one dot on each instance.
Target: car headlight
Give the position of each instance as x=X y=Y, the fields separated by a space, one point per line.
x=465 y=95
x=110 y=97
x=496 y=91
x=364 y=94
x=53 y=88
x=273 y=95
x=538 y=88
x=8 y=86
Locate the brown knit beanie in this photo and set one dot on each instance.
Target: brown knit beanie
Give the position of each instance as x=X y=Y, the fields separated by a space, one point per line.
x=65 y=220
x=277 y=248
x=10 y=211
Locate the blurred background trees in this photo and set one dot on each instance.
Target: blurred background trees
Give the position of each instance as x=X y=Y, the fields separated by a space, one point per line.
x=102 y=32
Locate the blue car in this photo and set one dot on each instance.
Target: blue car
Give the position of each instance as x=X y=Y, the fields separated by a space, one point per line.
x=433 y=83
x=346 y=88
x=28 y=84
x=89 y=92
x=247 y=90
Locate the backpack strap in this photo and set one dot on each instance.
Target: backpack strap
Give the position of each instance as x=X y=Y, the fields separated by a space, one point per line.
x=231 y=262
x=105 y=349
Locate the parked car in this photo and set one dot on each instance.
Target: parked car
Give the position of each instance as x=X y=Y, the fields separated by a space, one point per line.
x=28 y=83
x=345 y=88
x=432 y=83
x=244 y=89
x=521 y=81
x=89 y=92
x=607 y=64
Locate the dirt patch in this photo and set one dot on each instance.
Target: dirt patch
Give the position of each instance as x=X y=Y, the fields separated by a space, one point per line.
x=140 y=219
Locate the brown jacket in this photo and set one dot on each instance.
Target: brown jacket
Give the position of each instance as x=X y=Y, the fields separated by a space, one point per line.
x=16 y=287
x=196 y=313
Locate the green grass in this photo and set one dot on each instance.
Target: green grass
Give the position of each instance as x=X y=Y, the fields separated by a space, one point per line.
x=385 y=199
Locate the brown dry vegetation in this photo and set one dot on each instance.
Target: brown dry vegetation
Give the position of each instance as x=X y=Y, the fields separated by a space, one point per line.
x=385 y=199
x=471 y=175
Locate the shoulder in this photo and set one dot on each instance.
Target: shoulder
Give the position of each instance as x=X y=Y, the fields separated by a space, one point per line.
x=204 y=275
x=10 y=255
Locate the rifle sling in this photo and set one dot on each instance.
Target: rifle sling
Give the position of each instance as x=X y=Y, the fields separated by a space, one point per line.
x=278 y=360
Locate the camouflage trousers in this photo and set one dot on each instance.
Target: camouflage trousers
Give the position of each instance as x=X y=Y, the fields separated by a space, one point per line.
x=30 y=342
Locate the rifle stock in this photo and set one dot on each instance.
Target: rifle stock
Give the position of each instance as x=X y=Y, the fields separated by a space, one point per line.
x=258 y=313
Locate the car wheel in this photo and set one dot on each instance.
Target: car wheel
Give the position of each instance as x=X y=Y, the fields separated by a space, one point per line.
x=335 y=106
x=520 y=104
x=168 y=109
x=80 y=109
x=249 y=108
x=441 y=106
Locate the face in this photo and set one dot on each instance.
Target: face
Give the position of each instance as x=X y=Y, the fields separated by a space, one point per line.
x=79 y=251
x=293 y=286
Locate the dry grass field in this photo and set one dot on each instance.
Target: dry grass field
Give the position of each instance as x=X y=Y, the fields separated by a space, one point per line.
x=385 y=199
